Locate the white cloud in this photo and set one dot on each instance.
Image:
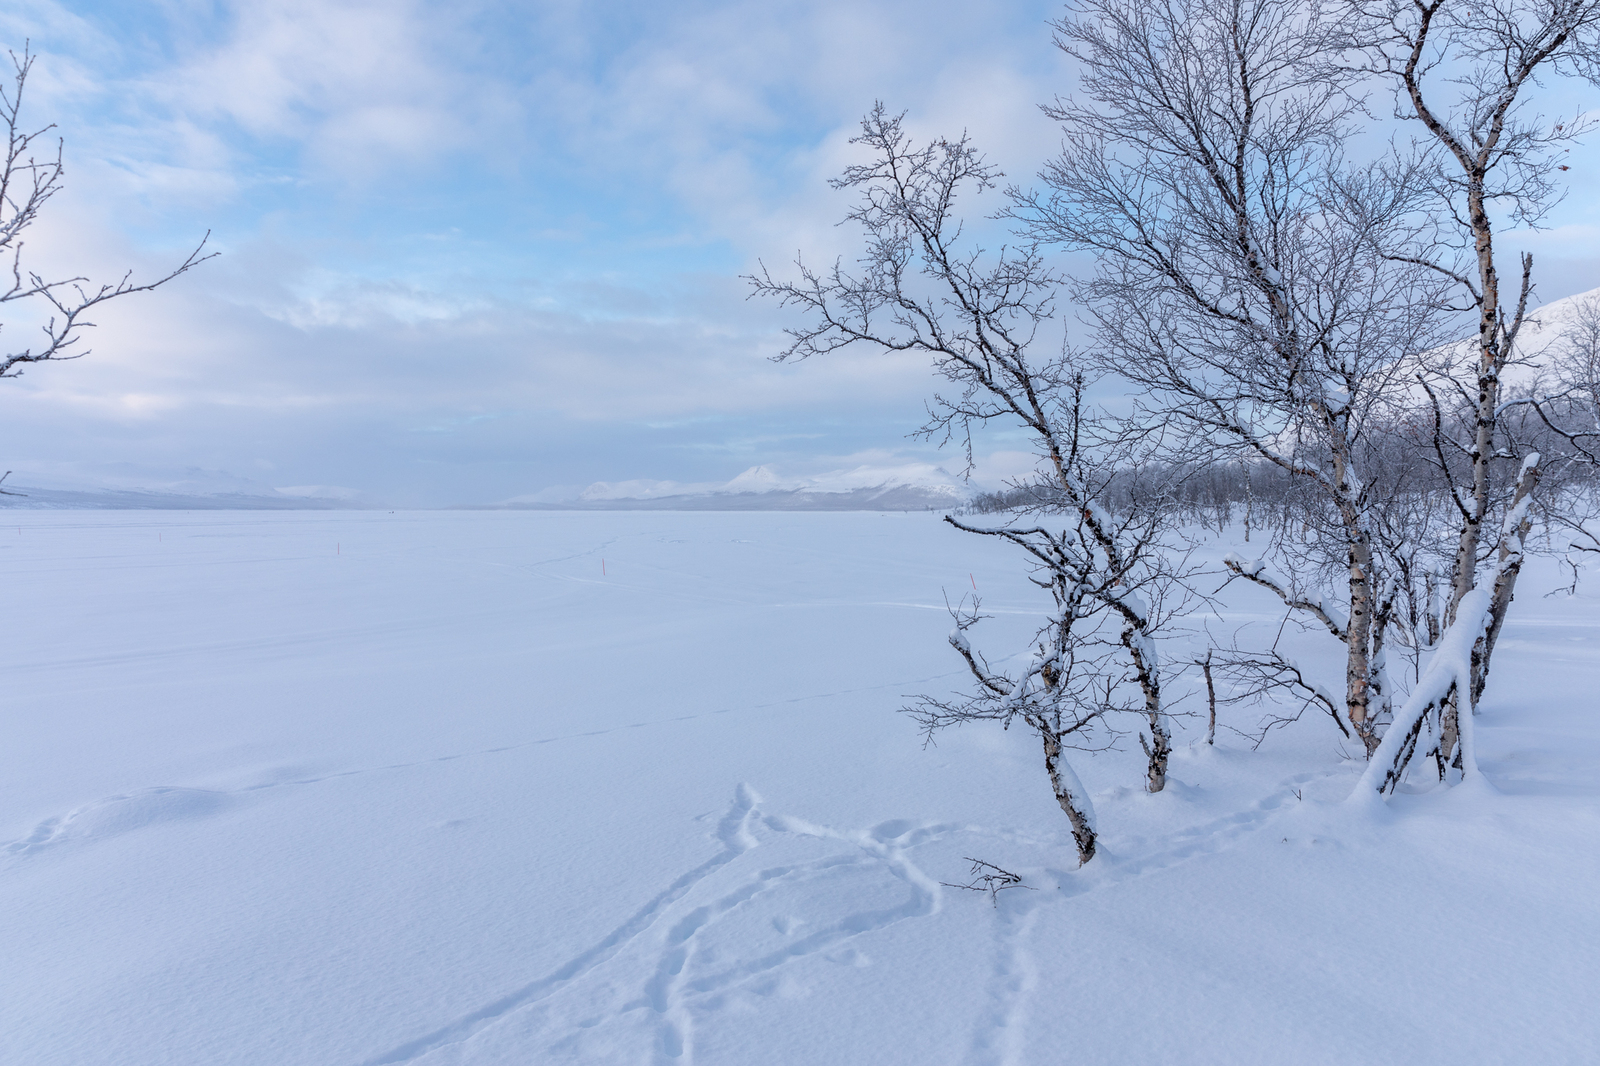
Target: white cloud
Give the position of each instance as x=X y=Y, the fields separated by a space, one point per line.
x=482 y=248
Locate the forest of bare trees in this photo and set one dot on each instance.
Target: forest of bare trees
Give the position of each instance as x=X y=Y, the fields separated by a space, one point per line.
x=1292 y=210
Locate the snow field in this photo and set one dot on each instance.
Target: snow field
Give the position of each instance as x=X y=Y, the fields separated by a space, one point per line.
x=358 y=788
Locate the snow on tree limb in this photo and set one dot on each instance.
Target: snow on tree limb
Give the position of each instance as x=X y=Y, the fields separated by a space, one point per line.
x=1449 y=670
x=1258 y=571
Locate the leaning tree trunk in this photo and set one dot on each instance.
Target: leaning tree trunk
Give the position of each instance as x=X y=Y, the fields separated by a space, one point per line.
x=1070 y=794
x=1508 y=565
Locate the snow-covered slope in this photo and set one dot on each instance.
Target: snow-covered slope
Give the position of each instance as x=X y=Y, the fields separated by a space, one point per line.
x=344 y=788
x=1540 y=339
x=1545 y=326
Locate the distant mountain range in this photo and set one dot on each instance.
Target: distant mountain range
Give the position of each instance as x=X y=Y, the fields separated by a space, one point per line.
x=117 y=499
x=121 y=486
x=118 y=486
x=912 y=487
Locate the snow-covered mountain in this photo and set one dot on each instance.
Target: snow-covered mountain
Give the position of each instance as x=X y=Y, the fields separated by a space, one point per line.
x=1546 y=325
x=907 y=487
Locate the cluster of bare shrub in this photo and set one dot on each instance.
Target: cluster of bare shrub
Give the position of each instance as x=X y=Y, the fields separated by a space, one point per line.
x=1284 y=310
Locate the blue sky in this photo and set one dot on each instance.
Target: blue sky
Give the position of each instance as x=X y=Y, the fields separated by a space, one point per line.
x=479 y=250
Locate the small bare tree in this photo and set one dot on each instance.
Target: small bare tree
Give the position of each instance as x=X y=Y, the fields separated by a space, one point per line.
x=29 y=178
x=1061 y=690
x=920 y=288
x=1116 y=581
x=1268 y=677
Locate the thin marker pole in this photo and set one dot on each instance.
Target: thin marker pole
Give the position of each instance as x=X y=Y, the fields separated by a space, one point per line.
x=602 y=566
x=974 y=582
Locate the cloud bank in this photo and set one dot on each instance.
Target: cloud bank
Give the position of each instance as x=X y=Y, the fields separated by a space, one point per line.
x=476 y=251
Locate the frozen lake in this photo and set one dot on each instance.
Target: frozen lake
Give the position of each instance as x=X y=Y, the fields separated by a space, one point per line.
x=344 y=788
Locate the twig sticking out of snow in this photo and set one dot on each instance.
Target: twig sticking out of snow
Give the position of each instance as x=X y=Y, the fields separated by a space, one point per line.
x=987 y=877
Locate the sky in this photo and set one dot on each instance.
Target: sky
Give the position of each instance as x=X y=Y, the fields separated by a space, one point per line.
x=476 y=251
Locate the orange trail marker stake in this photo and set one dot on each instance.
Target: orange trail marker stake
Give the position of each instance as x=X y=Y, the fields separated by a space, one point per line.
x=602 y=568
x=974 y=582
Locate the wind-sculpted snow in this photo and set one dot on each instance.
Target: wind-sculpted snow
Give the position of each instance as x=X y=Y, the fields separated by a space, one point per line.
x=120 y=814
x=322 y=790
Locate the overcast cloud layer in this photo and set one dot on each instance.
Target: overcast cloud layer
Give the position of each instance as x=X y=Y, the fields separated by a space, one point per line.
x=477 y=250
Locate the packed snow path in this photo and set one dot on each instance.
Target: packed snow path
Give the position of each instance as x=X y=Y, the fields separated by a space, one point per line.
x=342 y=789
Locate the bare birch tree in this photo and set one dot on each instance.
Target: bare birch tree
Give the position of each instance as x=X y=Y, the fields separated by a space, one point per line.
x=30 y=176
x=1463 y=71
x=1238 y=282
x=920 y=287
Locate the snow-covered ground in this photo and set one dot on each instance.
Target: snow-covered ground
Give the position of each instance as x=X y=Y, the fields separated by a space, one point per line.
x=335 y=788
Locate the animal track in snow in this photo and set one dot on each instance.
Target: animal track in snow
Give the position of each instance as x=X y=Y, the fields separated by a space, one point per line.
x=735 y=930
x=723 y=932
x=1001 y=1024
x=780 y=897
x=998 y=1037
x=736 y=840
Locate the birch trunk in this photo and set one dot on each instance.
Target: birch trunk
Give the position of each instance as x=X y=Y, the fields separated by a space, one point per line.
x=1358 y=644
x=1070 y=795
x=1508 y=567
x=1159 y=748
x=1488 y=397
x=1359 y=634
